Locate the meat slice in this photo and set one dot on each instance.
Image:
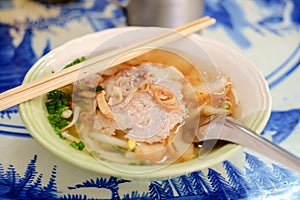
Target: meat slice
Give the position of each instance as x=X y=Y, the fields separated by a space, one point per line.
x=145 y=120
x=142 y=114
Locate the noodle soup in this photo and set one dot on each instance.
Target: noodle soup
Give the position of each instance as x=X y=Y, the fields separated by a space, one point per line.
x=140 y=111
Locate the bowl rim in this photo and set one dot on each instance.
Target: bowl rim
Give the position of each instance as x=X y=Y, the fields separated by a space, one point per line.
x=170 y=171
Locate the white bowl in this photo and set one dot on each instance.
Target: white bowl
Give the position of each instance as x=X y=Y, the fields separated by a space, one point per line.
x=249 y=85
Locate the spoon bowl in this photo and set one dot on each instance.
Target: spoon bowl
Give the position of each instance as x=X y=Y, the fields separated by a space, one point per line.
x=225 y=128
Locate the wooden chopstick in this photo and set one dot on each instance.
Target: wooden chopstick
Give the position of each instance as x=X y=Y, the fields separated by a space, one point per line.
x=66 y=76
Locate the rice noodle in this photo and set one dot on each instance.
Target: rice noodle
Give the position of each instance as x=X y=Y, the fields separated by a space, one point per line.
x=109 y=139
x=112 y=156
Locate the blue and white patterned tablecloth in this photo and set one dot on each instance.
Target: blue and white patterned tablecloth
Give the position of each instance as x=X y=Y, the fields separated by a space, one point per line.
x=265 y=31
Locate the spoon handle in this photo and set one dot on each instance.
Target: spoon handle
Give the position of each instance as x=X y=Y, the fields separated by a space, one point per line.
x=229 y=129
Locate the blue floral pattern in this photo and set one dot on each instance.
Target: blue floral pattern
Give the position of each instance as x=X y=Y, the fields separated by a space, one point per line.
x=258 y=180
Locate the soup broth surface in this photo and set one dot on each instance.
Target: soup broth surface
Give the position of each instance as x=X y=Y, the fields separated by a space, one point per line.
x=139 y=112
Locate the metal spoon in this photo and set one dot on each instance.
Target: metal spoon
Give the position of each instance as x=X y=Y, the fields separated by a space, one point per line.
x=220 y=127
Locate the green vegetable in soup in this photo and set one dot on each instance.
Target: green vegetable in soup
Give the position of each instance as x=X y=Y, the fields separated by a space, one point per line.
x=57 y=102
x=60 y=111
x=78 y=60
x=77 y=145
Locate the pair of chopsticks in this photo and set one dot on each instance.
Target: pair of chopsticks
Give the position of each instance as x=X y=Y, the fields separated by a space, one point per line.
x=69 y=75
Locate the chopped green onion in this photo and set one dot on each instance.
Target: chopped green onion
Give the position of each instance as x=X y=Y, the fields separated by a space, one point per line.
x=145 y=164
x=77 y=145
x=58 y=105
x=78 y=60
x=133 y=163
x=140 y=164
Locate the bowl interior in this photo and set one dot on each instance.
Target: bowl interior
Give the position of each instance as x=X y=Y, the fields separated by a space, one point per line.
x=248 y=83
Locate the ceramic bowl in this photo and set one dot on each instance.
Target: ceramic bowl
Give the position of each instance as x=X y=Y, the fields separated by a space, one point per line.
x=249 y=84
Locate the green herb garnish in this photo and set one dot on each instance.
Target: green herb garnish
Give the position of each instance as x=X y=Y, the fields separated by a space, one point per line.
x=77 y=145
x=58 y=102
x=78 y=60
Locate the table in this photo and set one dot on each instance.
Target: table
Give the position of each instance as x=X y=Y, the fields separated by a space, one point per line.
x=266 y=32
